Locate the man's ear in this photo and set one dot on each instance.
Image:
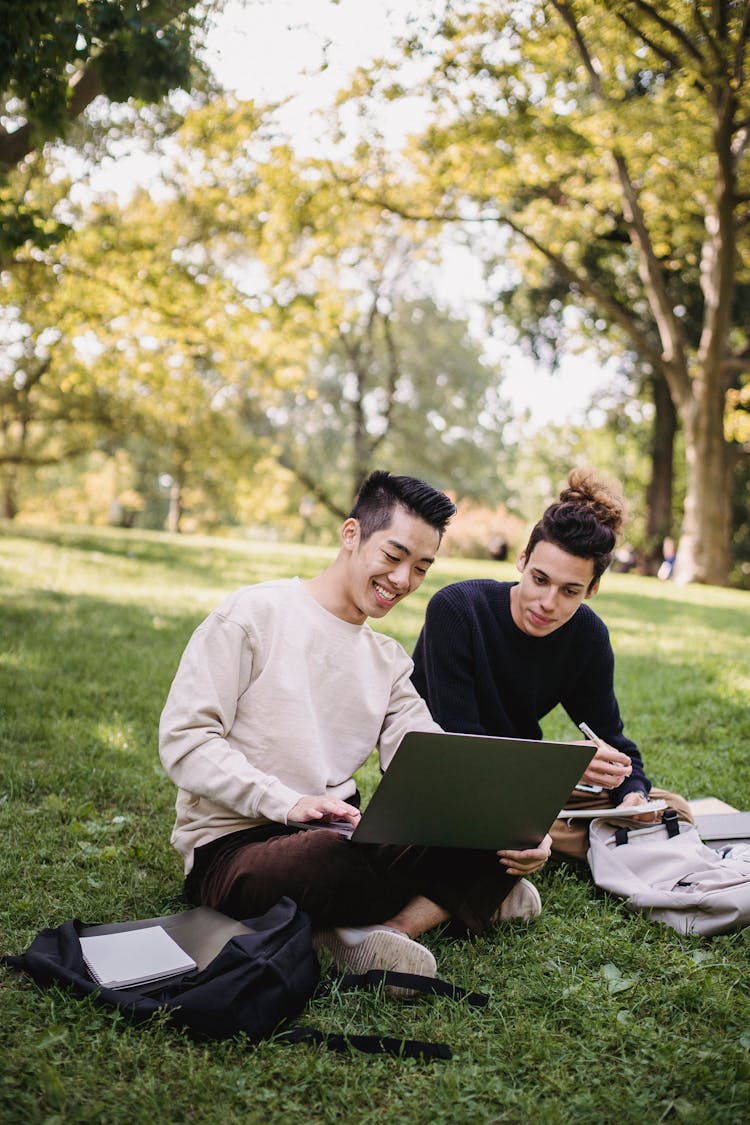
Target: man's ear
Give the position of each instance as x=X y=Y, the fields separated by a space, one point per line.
x=521 y=562
x=592 y=589
x=350 y=533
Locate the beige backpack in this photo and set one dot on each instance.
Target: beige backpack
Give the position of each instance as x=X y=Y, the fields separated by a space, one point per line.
x=667 y=873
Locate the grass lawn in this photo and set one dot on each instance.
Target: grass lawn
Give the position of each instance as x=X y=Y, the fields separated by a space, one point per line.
x=594 y=1017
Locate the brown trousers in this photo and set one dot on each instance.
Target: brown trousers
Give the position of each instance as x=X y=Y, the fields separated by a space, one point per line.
x=339 y=883
x=570 y=838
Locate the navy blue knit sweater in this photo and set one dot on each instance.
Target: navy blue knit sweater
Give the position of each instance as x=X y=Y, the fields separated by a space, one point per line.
x=480 y=674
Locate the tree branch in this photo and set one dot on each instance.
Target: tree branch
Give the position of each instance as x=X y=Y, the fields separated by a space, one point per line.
x=84 y=87
x=673 y=360
x=313 y=486
x=652 y=12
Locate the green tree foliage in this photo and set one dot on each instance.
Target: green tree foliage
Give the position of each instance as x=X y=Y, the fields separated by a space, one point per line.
x=248 y=313
x=360 y=364
x=608 y=143
x=56 y=58
x=51 y=407
x=118 y=340
x=401 y=385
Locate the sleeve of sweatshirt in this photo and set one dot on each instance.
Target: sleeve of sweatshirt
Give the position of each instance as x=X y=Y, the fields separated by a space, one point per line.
x=593 y=701
x=213 y=674
x=406 y=710
x=445 y=665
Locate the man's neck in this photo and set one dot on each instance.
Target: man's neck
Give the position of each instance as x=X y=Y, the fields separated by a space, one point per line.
x=328 y=590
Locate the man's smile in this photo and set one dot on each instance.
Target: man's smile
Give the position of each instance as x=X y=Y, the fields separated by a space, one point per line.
x=382 y=593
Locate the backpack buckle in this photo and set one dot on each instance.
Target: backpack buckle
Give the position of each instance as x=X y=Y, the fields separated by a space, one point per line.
x=671 y=822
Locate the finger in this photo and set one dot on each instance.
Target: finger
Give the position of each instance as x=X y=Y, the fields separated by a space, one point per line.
x=339 y=811
x=523 y=864
x=521 y=856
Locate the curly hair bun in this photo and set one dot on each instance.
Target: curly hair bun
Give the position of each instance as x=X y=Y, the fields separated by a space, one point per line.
x=587 y=488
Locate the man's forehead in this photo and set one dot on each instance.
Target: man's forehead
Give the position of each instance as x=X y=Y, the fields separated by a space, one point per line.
x=560 y=565
x=406 y=549
x=411 y=535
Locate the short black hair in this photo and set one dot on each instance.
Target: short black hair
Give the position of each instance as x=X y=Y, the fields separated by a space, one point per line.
x=381 y=493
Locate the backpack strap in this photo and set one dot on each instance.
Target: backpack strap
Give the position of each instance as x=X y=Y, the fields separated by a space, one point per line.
x=671 y=822
x=432 y=986
x=425 y=1050
x=669 y=819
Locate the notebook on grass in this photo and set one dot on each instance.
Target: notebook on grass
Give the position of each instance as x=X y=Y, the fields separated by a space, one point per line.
x=469 y=791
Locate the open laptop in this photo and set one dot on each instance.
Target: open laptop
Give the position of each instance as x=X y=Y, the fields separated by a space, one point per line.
x=469 y=791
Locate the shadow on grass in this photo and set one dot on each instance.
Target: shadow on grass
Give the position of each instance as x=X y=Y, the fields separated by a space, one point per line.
x=672 y=614
x=237 y=562
x=83 y=682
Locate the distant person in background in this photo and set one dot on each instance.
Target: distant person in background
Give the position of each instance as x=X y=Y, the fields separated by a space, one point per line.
x=496 y=657
x=499 y=548
x=670 y=553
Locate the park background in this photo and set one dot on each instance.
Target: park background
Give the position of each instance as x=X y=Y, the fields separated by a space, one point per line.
x=251 y=251
x=513 y=241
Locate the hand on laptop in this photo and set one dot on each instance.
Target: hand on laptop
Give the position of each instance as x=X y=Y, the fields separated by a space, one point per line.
x=323 y=808
x=526 y=862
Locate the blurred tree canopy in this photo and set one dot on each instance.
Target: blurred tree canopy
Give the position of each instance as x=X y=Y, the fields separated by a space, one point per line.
x=251 y=314
x=609 y=144
x=253 y=333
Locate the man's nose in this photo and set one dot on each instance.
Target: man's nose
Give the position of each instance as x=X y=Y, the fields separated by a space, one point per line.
x=549 y=597
x=400 y=575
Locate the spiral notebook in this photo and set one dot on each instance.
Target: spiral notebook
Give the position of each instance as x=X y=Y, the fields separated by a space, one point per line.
x=130 y=957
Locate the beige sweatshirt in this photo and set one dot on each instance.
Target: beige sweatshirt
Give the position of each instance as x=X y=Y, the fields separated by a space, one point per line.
x=276 y=698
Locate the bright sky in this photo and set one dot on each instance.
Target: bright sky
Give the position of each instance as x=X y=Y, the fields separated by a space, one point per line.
x=268 y=50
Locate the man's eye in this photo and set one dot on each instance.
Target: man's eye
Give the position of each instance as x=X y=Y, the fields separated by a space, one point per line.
x=391 y=558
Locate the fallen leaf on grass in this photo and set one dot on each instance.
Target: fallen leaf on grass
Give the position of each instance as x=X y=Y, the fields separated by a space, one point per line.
x=616 y=982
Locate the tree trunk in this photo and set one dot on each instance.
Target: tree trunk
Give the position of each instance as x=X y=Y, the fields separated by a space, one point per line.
x=659 y=492
x=174 y=516
x=703 y=549
x=9 y=494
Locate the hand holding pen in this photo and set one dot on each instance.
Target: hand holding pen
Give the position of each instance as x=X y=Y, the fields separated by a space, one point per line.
x=609 y=767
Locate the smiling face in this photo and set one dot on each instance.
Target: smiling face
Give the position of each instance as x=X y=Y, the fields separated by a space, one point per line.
x=553 y=584
x=381 y=570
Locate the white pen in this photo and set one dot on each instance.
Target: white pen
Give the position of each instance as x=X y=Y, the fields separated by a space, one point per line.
x=597 y=742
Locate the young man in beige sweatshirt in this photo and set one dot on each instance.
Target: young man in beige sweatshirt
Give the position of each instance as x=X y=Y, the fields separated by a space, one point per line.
x=280 y=696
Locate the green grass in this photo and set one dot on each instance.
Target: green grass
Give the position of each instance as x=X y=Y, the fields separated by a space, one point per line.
x=594 y=1015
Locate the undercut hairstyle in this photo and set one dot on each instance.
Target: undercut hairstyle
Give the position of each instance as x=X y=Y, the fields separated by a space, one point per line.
x=381 y=493
x=585 y=521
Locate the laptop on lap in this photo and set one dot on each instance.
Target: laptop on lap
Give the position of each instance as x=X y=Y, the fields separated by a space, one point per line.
x=469 y=791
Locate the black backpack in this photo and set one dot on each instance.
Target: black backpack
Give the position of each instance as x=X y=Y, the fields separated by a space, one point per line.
x=257 y=983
